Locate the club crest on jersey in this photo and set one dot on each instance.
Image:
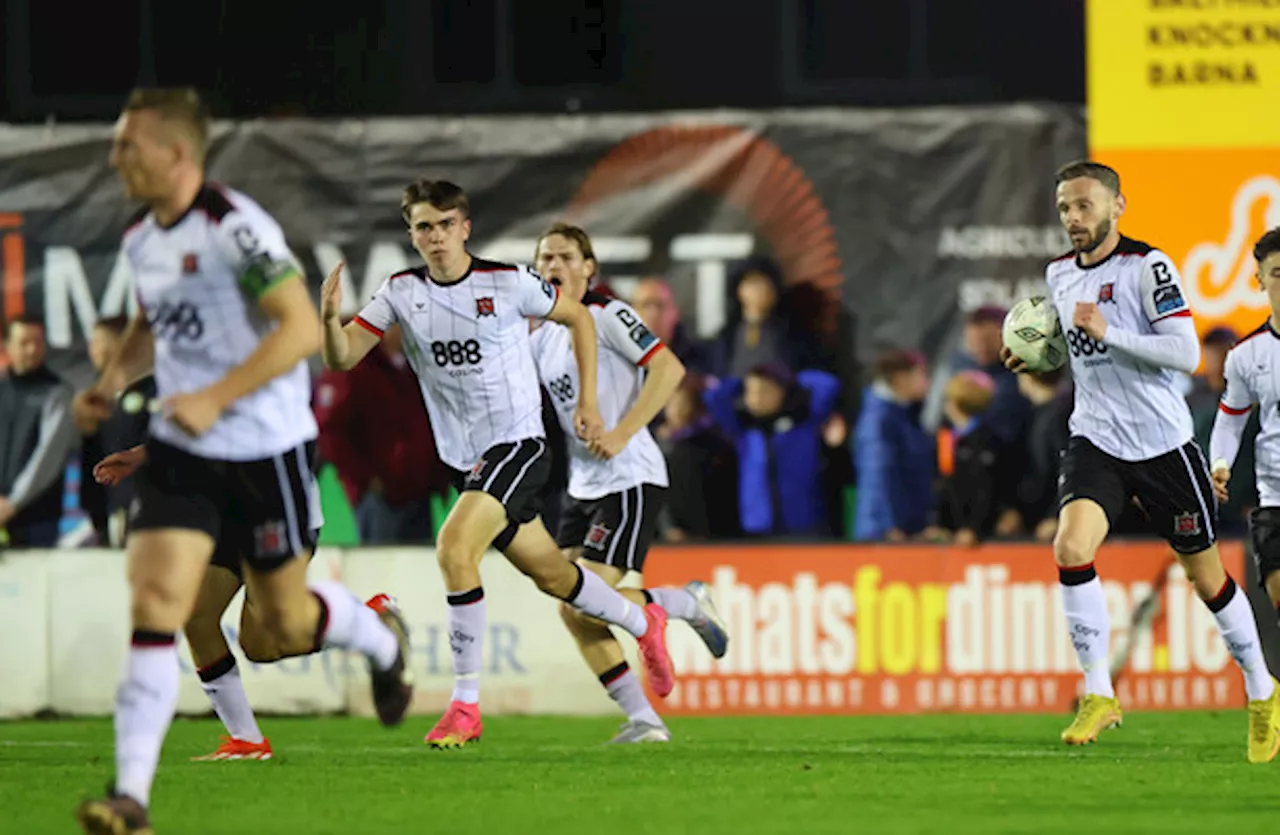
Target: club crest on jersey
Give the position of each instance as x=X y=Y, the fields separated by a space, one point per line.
x=597 y=537
x=484 y=307
x=1106 y=292
x=190 y=264
x=1186 y=524
x=476 y=470
x=269 y=538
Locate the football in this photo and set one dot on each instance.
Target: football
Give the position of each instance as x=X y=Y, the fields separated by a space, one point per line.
x=1033 y=334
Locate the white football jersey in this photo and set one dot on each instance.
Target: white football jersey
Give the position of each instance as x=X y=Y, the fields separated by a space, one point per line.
x=468 y=342
x=199 y=281
x=1128 y=408
x=1253 y=376
x=625 y=346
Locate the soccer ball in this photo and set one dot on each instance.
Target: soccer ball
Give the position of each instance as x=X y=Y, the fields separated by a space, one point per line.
x=1033 y=334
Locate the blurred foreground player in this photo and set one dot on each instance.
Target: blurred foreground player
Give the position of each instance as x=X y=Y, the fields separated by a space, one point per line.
x=466 y=333
x=617 y=482
x=1251 y=378
x=1128 y=330
x=225 y=319
x=215 y=664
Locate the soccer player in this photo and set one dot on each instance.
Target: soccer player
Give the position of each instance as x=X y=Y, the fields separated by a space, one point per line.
x=1128 y=329
x=1251 y=378
x=466 y=334
x=225 y=317
x=215 y=665
x=617 y=482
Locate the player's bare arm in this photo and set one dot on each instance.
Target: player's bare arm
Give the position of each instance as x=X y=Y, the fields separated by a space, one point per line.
x=575 y=316
x=665 y=371
x=133 y=359
x=343 y=347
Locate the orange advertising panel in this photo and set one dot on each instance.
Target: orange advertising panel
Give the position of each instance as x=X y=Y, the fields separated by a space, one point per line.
x=883 y=629
x=1205 y=208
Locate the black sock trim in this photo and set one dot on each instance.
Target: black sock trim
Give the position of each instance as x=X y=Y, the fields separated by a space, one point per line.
x=466 y=598
x=648 y=598
x=577 y=587
x=322 y=624
x=217 y=669
x=148 y=638
x=1076 y=575
x=1223 y=597
x=613 y=674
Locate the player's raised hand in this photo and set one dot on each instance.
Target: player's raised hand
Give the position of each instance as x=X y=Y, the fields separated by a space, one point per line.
x=1221 y=477
x=1088 y=318
x=588 y=423
x=1011 y=362
x=118 y=466
x=331 y=293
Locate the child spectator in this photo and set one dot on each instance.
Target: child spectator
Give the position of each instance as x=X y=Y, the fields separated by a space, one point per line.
x=702 y=502
x=894 y=454
x=969 y=457
x=775 y=420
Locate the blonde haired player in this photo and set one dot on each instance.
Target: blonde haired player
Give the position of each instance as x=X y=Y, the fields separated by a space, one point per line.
x=1253 y=376
x=617 y=482
x=1128 y=329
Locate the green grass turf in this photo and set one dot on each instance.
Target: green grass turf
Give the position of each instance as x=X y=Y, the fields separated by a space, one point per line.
x=1161 y=772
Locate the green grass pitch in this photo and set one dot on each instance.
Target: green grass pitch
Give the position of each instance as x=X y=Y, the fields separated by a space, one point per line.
x=1161 y=772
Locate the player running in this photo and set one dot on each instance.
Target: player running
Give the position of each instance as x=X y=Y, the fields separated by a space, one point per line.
x=1251 y=378
x=215 y=665
x=617 y=482
x=225 y=315
x=466 y=335
x=1128 y=329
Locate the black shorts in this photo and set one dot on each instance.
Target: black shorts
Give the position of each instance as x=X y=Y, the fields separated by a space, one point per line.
x=1264 y=534
x=1174 y=491
x=514 y=474
x=257 y=509
x=228 y=554
x=616 y=529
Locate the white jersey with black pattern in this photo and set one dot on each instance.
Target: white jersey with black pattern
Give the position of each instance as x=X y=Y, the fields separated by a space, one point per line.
x=199 y=281
x=1253 y=376
x=626 y=345
x=1130 y=409
x=468 y=342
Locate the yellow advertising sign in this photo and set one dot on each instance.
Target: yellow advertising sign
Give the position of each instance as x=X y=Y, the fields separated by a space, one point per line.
x=1183 y=73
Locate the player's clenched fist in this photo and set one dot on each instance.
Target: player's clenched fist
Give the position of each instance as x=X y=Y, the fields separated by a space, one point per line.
x=1089 y=319
x=331 y=293
x=1221 y=477
x=588 y=423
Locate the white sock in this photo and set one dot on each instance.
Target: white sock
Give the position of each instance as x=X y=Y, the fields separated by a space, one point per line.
x=601 y=601
x=347 y=623
x=1234 y=615
x=145 y=702
x=1089 y=626
x=678 y=602
x=625 y=689
x=466 y=639
x=222 y=684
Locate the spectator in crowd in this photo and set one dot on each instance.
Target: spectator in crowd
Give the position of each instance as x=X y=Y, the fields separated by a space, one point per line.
x=1035 y=508
x=760 y=329
x=702 y=502
x=37 y=437
x=106 y=505
x=1206 y=390
x=982 y=343
x=775 y=419
x=973 y=484
x=374 y=429
x=895 y=455
x=656 y=304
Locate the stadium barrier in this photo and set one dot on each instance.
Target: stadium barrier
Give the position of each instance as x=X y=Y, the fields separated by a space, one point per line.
x=816 y=629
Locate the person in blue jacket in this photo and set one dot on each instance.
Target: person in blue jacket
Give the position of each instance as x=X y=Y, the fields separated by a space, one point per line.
x=775 y=420
x=896 y=458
